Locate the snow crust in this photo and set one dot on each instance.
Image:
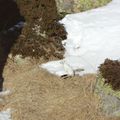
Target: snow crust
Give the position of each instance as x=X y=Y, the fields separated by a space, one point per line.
x=92 y=37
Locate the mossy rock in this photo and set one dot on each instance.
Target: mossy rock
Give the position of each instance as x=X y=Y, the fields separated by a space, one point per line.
x=110 y=99
x=107 y=89
x=84 y=5
x=74 y=6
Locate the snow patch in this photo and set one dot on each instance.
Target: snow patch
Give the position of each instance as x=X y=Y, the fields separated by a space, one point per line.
x=5 y=92
x=92 y=37
x=5 y=115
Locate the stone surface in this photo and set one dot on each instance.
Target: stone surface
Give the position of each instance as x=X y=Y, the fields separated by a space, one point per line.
x=73 y=6
x=65 y=5
x=111 y=105
x=110 y=99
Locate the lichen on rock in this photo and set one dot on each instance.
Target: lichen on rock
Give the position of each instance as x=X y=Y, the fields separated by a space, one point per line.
x=110 y=99
x=108 y=87
x=74 y=6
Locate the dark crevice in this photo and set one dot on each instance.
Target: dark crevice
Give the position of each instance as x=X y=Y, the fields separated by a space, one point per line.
x=11 y=24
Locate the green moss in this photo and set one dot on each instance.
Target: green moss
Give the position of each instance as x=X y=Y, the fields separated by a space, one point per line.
x=89 y=4
x=63 y=14
x=105 y=88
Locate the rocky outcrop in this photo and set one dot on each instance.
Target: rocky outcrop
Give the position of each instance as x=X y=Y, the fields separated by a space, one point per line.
x=108 y=87
x=73 y=6
x=110 y=99
x=65 y=6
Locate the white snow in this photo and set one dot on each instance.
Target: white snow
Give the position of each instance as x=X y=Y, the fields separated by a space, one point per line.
x=5 y=115
x=5 y=93
x=92 y=37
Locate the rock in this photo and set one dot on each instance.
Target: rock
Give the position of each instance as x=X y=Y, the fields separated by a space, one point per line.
x=111 y=105
x=110 y=99
x=65 y=6
x=74 y=6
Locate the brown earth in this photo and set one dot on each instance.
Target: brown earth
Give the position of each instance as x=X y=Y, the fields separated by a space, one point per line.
x=39 y=95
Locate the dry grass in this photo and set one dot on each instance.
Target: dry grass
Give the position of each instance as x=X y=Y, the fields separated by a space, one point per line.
x=38 y=95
